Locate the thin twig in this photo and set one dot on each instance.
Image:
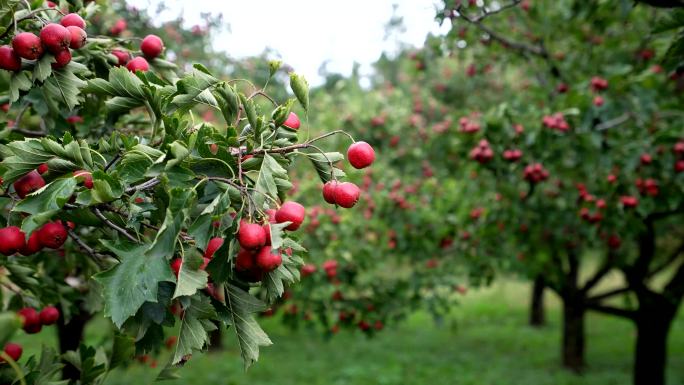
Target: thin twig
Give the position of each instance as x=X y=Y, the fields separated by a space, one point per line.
x=109 y=223
x=143 y=186
x=111 y=162
x=97 y=257
x=613 y=122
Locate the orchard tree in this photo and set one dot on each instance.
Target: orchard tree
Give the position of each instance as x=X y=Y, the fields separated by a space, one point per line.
x=117 y=197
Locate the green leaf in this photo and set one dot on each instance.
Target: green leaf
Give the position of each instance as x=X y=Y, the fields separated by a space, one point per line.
x=194 y=327
x=194 y=88
x=51 y=197
x=300 y=87
x=122 y=104
x=190 y=280
x=250 y=336
x=322 y=164
x=200 y=230
x=265 y=182
x=43 y=68
x=164 y=244
x=250 y=110
x=64 y=85
x=19 y=81
x=123 y=350
x=132 y=282
x=9 y=323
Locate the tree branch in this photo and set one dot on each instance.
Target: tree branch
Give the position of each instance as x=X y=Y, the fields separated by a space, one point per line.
x=605 y=295
x=97 y=257
x=111 y=224
x=624 y=313
x=601 y=272
x=668 y=261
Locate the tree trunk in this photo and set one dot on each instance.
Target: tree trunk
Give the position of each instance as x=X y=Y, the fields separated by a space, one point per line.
x=650 y=356
x=537 y=313
x=70 y=336
x=573 y=335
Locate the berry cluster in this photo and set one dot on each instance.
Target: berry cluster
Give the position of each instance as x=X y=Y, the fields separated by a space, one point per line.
x=346 y=194
x=482 y=153
x=535 y=173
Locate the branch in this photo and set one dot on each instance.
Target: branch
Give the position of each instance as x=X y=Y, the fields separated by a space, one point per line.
x=487 y=13
x=605 y=295
x=143 y=186
x=613 y=122
x=111 y=224
x=600 y=273
x=664 y=214
x=97 y=257
x=668 y=261
x=624 y=313
x=111 y=162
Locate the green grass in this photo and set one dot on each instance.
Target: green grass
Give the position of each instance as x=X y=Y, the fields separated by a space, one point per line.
x=486 y=343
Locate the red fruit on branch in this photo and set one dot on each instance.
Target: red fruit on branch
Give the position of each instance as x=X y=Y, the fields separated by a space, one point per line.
x=361 y=155
x=268 y=259
x=347 y=194
x=85 y=177
x=512 y=155
x=9 y=60
x=308 y=269
x=27 y=46
x=598 y=83
x=213 y=245
x=62 y=58
x=292 y=122
x=152 y=46
x=30 y=320
x=629 y=201
x=14 y=351
x=49 y=315
x=78 y=37
x=556 y=121
x=614 y=242
x=73 y=19
x=118 y=27
x=176 y=264
x=562 y=88
x=482 y=152
x=33 y=245
x=122 y=56
x=679 y=166
x=291 y=212
x=138 y=64
x=42 y=169
x=28 y=184
x=251 y=235
x=73 y=119
x=535 y=173
x=329 y=191
x=646 y=159
x=12 y=239
x=52 y=235
x=678 y=148
x=244 y=261
x=55 y=37
x=598 y=101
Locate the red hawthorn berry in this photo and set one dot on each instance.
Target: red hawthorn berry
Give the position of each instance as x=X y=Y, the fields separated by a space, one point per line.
x=251 y=236
x=213 y=148
x=73 y=119
x=268 y=259
x=55 y=37
x=73 y=19
x=646 y=159
x=205 y=263
x=27 y=46
x=4 y=107
x=9 y=60
x=52 y=235
x=308 y=269
x=598 y=83
x=213 y=245
x=118 y=27
x=77 y=37
x=347 y=194
x=84 y=176
x=30 y=320
x=678 y=148
x=267 y=233
x=138 y=64
x=329 y=191
x=62 y=58
x=562 y=88
x=614 y=242
x=378 y=325
x=292 y=122
x=363 y=325
x=12 y=240
x=611 y=178
x=629 y=201
x=176 y=264
x=291 y=212
x=122 y=56
x=171 y=342
x=598 y=100
x=361 y=155
x=42 y=169
x=33 y=245
x=28 y=184
x=49 y=315
x=244 y=261
x=679 y=166
x=14 y=351
x=152 y=46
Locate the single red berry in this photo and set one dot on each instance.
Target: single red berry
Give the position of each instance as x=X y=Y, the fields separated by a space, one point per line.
x=86 y=177
x=291 y=212
x=152 y=46
x=122 y=56
x=267 y=233
x=27 y=46
x=213 y=245
x=12 y=239
x=52 y=235
x=176 y=264
x=251 y=235
x=292 y=122
x=78 y=37
x=73 y=119
x=360 y=155
x=9 y=60
x=14 y=351
x=62 y=58
x=329 y=191
x=55 y=37
x=308 y=269
x=28 y=184
x=30 y=320
x=244 y=261
x=49 y=315
x=138 y=64
x=347 y=194
x=42 y=169
x=33 y=245
x=646 y=159
x=118 y=27
x=73 y=19
x=268 y=259
x=679 y=166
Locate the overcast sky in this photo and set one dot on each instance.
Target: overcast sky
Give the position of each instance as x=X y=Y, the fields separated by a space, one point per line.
x=305 y=33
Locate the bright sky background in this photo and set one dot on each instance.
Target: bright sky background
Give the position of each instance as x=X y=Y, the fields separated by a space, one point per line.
x=306 y=33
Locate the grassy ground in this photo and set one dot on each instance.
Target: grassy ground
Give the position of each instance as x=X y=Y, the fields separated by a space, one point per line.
x=488 y=343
